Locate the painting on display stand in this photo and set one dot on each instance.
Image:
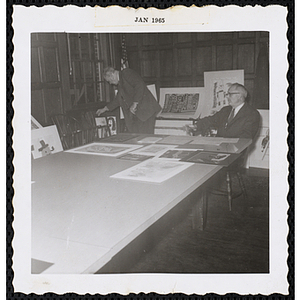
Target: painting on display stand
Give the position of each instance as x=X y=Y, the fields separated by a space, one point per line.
x=216 y=87
x=181 y=103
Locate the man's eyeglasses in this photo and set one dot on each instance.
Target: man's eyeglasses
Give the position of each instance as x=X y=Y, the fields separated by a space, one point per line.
x=231 y=93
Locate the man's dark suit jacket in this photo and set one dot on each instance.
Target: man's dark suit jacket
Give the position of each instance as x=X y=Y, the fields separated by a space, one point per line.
x=244 y=125
x=132 y=88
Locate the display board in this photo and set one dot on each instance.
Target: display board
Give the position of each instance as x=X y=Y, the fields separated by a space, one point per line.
x=181 y=103
x=216 y=87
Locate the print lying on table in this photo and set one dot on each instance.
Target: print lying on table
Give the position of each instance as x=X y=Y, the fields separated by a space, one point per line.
x=153 y=170
x=178 y=154
x=104 y=149
x=120 y=138
x=223 y=159
x=135 y=157
x=154 y=150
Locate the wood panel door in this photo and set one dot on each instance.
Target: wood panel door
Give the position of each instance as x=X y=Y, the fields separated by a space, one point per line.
x=50 y=88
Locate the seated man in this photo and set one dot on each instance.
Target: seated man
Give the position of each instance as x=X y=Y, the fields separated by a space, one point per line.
x=237 y=120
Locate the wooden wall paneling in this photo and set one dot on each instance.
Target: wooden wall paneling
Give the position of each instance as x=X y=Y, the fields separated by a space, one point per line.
x=149 y=39
x=246 y=34
x=185 y=83
x=224 y=35
x=46 y=77
x=166 y=63
x=203 y=60
x=165 y=38
x=133 y=61
x=249 y=85
x=46 y=37
x=224 y=57
x=235 y=56
x=257 y=49
x=149 y=63
x=246 y=57
x=184 y=37
x=214 y=57
x=264 y=34
x=35 y=66
x=53 y=102
x=38 y=109
x=203 y=36
x=51 y=69
x=64 y=68
x=184 y=58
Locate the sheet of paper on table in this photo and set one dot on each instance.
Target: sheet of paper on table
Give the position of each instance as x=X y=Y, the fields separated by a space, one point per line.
x=104 y=149
x=154 y=150
x=153 y=170
x=176 y=140
x=150 y=140
x=203 y=140
x=178 y=154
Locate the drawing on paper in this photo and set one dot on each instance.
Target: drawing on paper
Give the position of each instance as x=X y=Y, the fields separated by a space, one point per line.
x=216 y=88
x=45 y=141
x=181 y=102
x=154 y=150
x=104 y=149
x=153 y=170
x=135 y=157
x=178 y=154
x=210 y=158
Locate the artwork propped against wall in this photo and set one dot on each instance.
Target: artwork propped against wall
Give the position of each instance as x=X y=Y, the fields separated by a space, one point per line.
x=45 y=141
x=216 y=86
x=181 y=103
x=35 y=124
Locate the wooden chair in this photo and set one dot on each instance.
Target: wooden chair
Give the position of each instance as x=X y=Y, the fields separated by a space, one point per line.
x=89 y=123
x=70 y=131
x=234 y=170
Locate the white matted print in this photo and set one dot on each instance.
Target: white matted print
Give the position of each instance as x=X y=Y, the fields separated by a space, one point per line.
x=104 y=149
x=45 y=141
x=153 y=170
x=216 y=87
x=154 y=150
x=182 y=103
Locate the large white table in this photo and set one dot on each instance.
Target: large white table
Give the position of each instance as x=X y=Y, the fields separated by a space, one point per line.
x=81 y=217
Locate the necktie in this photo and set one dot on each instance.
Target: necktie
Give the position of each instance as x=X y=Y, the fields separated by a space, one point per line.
x=231 y=115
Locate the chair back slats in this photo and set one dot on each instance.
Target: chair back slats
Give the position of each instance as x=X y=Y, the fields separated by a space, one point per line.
x=75 y=133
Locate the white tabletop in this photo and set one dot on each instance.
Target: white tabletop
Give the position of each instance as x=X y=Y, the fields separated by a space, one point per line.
x=81 y=218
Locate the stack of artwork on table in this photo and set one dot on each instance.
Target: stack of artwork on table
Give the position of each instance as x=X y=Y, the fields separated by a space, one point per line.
x=181 y=106
x=158 y=159
x=162 y=157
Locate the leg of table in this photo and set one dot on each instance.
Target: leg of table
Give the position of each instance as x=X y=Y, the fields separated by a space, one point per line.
x=229 y=192
x=199 y=215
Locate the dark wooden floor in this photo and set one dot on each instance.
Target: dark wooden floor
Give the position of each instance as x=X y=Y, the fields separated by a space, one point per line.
x=234 y=241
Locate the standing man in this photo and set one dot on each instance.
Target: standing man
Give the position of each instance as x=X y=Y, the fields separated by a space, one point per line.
x=138 y=104
x=237 y=120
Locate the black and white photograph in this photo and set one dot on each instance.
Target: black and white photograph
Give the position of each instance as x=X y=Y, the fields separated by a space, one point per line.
x=93 y=215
